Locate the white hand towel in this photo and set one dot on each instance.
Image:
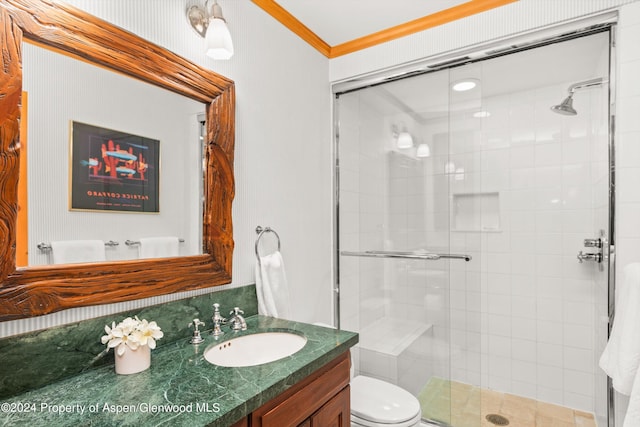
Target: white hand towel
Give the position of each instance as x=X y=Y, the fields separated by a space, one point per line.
x=272 y=288
x=159 y=247
x=77 y=251
x=621 y=357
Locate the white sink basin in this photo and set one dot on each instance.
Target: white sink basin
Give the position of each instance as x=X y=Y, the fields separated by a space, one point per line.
x=256 y=349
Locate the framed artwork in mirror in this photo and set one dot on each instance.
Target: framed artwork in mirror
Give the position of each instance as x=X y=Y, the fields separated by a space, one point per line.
x=113 y=170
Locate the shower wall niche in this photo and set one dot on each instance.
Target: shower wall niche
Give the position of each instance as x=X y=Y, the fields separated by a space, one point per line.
x=465 y=207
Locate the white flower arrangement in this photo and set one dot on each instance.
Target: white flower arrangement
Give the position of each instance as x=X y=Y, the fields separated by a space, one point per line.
x=131 y=333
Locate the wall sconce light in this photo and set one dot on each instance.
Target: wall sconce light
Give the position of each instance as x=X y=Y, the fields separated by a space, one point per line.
x=213 y=27
x=423 y=150
x=403 y=139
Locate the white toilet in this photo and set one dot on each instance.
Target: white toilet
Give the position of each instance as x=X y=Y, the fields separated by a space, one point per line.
x=377 y=403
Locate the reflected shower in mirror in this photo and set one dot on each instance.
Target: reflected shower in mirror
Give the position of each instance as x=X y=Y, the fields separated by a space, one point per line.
x=63 y=91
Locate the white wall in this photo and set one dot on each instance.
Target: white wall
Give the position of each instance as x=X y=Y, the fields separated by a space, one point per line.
x=283 y=146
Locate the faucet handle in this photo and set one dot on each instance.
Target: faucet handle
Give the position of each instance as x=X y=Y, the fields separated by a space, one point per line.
x=237 y=321
x=196 y=338
x=236 y=311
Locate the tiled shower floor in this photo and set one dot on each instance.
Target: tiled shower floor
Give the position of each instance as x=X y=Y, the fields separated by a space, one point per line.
x=456 y=404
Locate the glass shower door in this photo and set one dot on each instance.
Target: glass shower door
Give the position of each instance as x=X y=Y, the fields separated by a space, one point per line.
x=396 y=256
x=495 y=174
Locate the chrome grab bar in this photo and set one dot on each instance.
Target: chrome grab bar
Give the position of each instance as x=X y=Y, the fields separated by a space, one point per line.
x=407 y=255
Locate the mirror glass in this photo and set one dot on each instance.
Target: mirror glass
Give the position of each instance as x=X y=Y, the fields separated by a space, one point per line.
x=74 y=111
x=43 y=289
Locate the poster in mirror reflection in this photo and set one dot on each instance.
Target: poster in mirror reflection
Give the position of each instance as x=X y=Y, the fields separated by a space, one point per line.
x=113 y=170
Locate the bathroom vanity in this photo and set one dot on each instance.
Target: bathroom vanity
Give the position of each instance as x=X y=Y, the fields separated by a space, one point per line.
x=308 y=388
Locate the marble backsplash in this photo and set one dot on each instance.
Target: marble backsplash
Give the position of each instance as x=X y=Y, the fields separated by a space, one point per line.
x=35 y=359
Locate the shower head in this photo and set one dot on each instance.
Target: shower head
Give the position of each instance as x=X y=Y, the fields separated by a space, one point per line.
x=565 y=107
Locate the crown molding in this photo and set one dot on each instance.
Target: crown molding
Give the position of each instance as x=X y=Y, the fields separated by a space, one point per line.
x=463 y=10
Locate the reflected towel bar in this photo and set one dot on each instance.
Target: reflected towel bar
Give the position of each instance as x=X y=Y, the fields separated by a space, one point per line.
x=46 y=247
x=407 y=255
x=137 y=242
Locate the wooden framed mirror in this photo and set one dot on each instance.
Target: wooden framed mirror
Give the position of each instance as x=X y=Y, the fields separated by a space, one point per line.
x=36 y=291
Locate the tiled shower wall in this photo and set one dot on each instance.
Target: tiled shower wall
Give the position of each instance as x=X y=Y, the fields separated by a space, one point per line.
x=523 y=312
x=537 y=305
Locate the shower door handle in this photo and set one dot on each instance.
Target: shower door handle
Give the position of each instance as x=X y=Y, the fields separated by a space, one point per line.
x=407 y=255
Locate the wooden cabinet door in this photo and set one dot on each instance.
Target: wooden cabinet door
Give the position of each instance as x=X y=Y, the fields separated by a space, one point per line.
x=296 y=405
x=335 y=413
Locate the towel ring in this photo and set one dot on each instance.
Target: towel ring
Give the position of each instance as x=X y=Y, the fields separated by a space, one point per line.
x=260 y=231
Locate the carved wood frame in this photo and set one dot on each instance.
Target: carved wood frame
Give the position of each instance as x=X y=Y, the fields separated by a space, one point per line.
x=40 y=290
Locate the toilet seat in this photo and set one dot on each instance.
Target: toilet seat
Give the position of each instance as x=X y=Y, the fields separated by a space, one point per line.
x=377 y=403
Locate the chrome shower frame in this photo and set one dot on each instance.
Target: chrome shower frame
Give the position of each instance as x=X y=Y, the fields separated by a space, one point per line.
x=599 y=22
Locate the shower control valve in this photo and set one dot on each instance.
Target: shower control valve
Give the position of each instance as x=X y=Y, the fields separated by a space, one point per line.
x=589 y=257
x=593 y=243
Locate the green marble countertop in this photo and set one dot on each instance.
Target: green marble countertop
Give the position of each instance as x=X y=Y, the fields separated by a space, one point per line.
x=180 y=388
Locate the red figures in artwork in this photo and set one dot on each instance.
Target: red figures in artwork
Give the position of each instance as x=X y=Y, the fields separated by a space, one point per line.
x=119 y=162
x=110 y=161
x=142 y=166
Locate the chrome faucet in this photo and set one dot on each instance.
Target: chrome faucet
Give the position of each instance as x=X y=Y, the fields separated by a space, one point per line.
x=218 y=321
x=237 y=321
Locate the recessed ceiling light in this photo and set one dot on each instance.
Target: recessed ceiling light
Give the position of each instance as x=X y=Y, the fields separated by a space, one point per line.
x=464 y=85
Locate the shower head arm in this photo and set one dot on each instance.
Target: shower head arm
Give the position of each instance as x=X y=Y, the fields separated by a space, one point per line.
x=586 y=84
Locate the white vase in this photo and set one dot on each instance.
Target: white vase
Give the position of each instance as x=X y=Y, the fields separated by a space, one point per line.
x=133 y=361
